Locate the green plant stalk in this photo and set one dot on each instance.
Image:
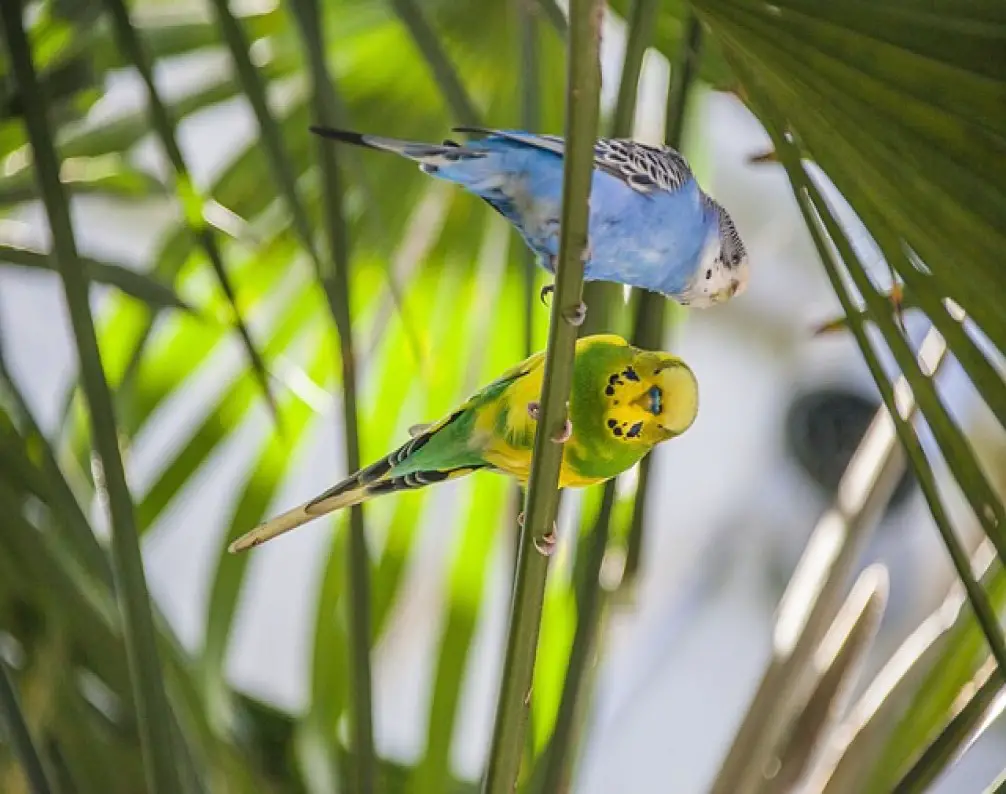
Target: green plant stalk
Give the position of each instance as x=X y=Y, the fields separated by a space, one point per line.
x=280 y=162
x=20 y=737
x=334 y=277
x=600 y=296
x=551 y=11
x=530 y=114
x=75 y=527
x=590 y=598
x=651 y=312
x=192 y=203
x=641 y=24
x=960 y=730
x=141 y=286
x=153 y=717
x=443 y=70
x=582 y=105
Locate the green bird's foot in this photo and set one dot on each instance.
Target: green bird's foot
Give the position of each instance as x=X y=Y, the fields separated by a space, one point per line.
x=547 y=290
x=534 y=409
x=564 y=434
x=546 y=544
x=577 y=315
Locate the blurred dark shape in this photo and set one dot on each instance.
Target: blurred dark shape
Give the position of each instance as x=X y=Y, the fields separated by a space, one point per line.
x=823 y=428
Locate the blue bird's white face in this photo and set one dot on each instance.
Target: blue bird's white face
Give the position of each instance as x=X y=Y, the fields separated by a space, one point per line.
x=723 y=269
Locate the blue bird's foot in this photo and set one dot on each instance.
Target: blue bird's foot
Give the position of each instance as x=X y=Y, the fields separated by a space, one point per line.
x=576 y=315
x=547 y=290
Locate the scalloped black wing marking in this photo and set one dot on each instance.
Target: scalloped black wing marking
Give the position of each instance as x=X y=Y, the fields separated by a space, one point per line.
x=368 y=477
x=642 y=167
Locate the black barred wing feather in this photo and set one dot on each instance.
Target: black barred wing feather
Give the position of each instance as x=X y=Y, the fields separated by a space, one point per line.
x=642 y=167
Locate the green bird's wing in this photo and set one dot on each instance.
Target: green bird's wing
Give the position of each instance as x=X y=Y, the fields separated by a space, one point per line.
x=442 y=451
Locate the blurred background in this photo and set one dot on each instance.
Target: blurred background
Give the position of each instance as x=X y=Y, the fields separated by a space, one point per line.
x=438 y=300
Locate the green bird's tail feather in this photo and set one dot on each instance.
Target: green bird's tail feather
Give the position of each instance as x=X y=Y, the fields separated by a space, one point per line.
x=374 y=480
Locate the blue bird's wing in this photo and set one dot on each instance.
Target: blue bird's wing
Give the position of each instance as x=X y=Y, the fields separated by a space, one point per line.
x=642 y=167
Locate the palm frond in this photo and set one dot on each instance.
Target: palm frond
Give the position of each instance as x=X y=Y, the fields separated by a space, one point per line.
x=153 y=714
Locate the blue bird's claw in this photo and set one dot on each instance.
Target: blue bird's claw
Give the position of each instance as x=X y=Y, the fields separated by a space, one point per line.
x=547 y=290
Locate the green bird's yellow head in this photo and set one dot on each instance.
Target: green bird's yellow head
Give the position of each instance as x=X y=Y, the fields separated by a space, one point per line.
x=649 y=396
x=624 y=402
x=653 y=398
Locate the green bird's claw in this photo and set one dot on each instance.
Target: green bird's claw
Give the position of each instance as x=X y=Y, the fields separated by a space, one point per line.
x=547 y=290
x=546 y=544
x=533 y=409
x=564 y=434
x=577 y=315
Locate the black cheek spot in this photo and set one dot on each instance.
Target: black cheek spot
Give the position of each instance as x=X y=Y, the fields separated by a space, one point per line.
x=630 y=374
x=610 y=391
x=709 y=274
x=617 y=431
x=635 y=430
x=612 y=423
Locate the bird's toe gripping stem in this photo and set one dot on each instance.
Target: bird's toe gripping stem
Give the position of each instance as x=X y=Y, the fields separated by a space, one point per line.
x=534 y=411
x=564 y=435
x=546 y=544
x=576 y=315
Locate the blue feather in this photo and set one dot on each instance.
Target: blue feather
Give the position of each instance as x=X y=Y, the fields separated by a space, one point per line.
x=651 y=225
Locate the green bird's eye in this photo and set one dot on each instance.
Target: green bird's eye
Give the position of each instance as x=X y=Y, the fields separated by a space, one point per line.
x=655 y=396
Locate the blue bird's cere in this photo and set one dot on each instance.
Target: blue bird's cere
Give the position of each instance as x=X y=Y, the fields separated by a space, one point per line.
x=651 y=225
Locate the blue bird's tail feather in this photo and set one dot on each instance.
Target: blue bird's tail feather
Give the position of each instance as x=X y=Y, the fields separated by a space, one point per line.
x=430 y=156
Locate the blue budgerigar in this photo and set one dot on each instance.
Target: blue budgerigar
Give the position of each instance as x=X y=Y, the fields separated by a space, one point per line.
x=651 y=225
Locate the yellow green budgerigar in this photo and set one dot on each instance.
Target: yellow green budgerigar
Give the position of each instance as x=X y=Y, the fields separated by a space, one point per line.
x=623 y=402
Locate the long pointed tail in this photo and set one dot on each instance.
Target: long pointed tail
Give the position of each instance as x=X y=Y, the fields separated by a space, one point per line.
x=354 y=494
x=421 y=152
x=367 y=483
x=430 y=156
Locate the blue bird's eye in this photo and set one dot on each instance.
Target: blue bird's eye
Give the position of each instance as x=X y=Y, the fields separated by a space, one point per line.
x=655 y=400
